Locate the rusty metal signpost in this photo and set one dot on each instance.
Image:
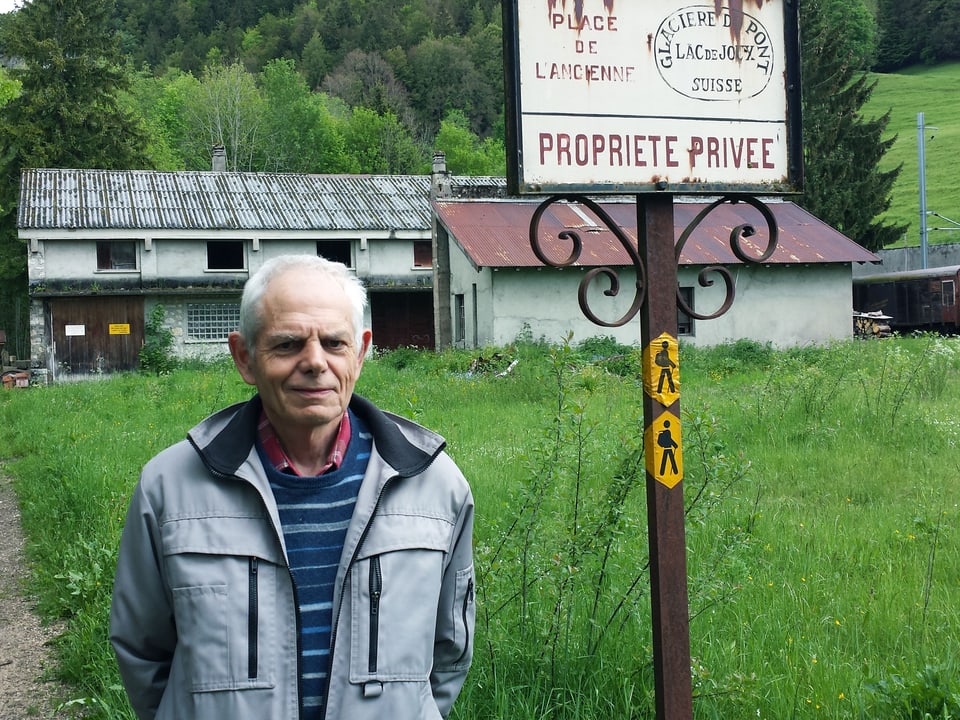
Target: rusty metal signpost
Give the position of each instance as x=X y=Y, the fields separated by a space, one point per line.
x=618 y=97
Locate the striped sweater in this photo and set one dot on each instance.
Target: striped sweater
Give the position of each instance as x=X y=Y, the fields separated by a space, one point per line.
x=314 y=514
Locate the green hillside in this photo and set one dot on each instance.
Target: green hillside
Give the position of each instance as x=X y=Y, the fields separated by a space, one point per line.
x=934 y=91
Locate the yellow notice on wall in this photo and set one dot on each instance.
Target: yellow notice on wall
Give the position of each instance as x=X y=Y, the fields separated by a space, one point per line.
x=661 y=369
x=663 y=450
x=119 y=328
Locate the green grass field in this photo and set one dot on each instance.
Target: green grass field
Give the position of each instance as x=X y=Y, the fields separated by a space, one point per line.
x=821 y=489
x=934 y=91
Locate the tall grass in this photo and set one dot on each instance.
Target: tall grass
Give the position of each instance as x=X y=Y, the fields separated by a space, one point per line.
x=820 y=489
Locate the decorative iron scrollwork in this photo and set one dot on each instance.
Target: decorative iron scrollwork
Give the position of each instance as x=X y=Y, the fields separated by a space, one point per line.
x=737 y=234
x=611 y=274
x=704 y=278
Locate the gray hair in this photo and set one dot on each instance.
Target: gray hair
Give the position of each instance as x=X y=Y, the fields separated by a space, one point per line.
x=253 y=290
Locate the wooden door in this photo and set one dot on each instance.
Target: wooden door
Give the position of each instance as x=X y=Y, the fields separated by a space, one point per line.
x=97 y=334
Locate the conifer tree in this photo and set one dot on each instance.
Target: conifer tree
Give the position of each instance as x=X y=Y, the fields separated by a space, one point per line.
x=843 y=183
x=69 y=113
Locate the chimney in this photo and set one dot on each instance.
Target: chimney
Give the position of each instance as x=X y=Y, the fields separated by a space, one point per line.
x=440 y=186
x=219 y=158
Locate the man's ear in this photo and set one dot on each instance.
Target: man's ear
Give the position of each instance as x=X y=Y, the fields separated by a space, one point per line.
x=241 y=357
x=365 y=338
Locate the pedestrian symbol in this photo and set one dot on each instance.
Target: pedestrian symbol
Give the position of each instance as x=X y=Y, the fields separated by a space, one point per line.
x=661 y=370
x=663 y=451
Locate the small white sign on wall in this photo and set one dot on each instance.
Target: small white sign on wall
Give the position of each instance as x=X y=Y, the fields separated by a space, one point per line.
x=75 y=330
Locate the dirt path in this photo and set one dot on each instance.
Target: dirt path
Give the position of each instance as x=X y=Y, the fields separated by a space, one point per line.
x=24 y=644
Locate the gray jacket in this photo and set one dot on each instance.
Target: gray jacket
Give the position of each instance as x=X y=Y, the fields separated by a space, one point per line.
x=204 y=619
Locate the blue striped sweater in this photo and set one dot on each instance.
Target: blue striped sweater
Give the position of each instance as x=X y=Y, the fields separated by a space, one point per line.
x=314 y=514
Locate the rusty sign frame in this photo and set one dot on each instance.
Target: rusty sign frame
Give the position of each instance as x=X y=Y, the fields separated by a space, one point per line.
x=527 y=175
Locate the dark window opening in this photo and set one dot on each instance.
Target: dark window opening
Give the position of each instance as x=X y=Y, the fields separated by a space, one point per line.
x=422 y=254
x=225 y=255
x=335 y=250
x=460 y=319
x=117 y=255
x=684 y=321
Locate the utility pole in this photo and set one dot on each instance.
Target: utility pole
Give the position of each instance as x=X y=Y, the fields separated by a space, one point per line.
x=921 y=152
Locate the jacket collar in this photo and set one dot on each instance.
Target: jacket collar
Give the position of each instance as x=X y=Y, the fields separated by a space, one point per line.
x=226 y=439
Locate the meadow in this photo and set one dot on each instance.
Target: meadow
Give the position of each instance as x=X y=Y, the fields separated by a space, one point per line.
x=934 y=91
x=821 y=492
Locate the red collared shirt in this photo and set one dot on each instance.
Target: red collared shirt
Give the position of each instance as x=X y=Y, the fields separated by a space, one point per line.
x=278 y=456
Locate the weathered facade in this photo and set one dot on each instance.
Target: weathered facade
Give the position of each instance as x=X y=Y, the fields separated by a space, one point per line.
x=801 y=295
x=106 y=247
x=446 y=260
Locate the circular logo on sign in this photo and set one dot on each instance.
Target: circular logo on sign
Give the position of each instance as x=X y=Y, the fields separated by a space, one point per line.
x=714 y=55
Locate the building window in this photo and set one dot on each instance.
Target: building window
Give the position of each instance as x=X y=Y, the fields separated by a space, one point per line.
x=335 y=250
x=422 y=254
x=459 y=319
x=212 y=321
x=225 y=255
x=117 y=255
x=684 y=321
x=948 y=293
x=476 y=319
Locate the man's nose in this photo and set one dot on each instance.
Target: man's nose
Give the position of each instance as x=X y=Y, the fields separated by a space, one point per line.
x=314 y=356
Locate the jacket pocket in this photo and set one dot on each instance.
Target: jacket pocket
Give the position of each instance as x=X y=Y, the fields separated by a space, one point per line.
x=225 y=605
x=464 y=617
x=393 y=601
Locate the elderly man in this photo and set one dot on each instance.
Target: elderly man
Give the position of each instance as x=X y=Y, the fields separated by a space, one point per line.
x=302 y=554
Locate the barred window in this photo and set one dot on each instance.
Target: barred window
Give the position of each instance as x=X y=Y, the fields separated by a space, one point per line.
x=212 y=321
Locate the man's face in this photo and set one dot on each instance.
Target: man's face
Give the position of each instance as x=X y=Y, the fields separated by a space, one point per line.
x=306 y=360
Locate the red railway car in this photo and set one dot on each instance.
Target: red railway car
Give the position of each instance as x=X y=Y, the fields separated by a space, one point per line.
x=914 y=299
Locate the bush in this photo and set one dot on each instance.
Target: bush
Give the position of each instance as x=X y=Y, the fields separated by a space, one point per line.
x=933 y=693
x=156 y=355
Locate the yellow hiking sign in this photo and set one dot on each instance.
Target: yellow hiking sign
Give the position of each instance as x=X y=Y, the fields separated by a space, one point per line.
x=663 y=450
x=661 y=370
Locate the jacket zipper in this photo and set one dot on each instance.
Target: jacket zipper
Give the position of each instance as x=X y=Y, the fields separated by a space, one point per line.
x=376 y=587
x=467 y=599
x=293 y=585
x=343 y=587
x=253 y=620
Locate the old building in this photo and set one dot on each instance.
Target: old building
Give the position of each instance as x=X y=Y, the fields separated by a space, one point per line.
x=107 y=247
x=499 y=289
x=446 y=260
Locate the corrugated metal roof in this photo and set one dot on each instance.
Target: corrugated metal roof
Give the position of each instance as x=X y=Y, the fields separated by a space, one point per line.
x=496 y=233
x=135 y=199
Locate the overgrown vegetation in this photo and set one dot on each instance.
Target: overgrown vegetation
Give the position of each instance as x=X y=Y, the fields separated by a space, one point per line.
x=820 y=491
x=156 y=355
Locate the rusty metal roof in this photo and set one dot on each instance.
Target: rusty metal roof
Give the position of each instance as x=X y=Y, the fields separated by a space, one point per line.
x=497 y=233
x=135 y=199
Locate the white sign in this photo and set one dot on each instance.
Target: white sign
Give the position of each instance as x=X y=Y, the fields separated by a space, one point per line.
x=679 y=95
x=74 y=330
